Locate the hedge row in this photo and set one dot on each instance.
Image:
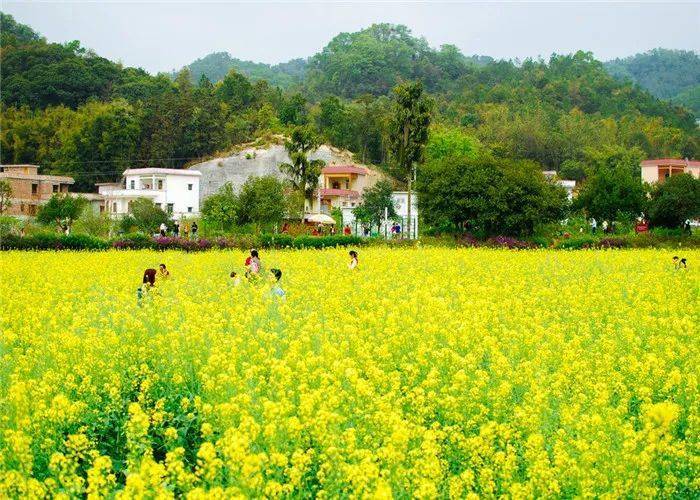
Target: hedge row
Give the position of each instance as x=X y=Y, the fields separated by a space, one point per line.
x=52 y=241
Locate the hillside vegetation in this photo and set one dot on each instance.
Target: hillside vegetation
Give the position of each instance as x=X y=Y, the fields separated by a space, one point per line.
x=668 y=74
x=73 y=112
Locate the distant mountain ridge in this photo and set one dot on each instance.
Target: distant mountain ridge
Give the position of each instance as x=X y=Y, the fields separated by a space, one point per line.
x=216 y=65
x=667 y=74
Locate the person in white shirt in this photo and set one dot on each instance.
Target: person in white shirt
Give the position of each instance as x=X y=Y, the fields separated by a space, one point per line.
x=353 y=260
x=594 y=225
x=235 y=279
x=163 y=229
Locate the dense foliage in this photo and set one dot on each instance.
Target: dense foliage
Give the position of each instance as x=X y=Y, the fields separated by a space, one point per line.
x=669 y=74
x=217 y=65
x=488 y=196
x=675 y=200
x=75 y=113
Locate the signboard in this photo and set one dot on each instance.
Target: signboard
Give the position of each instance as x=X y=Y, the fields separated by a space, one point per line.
x=641 y=227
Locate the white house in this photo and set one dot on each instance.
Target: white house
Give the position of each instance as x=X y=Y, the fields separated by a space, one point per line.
x=175 y=191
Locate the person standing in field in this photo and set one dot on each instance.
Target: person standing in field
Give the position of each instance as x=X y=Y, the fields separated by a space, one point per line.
x=254 y=267
x=276 y=290
x=605 y=226
x=186 y=231
x=235 y=279
x=353 y=260
x=148 y=282
x=347 y=231
x=163 y=229
x=194 y=230
x=594 y=225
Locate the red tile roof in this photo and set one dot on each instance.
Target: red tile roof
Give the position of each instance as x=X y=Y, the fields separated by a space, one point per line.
x=339 y=192
x=344 y=169
x=671 y=161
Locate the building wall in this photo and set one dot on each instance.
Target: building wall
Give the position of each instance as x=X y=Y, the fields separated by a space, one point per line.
x=25 y=200
x=650 y=173
x=181 y=191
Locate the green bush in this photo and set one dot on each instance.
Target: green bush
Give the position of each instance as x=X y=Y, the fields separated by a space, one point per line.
x=577 y=243
x=325 y=241
x=54 y=241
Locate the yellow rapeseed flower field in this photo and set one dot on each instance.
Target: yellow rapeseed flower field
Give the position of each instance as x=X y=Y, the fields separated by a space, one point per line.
x=425 y=373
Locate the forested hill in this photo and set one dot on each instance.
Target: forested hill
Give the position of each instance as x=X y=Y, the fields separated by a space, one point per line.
x=72 y=111
x=216 y=66
x=668 y=74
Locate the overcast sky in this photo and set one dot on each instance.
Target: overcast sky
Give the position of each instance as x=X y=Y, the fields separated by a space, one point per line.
x=161 y=36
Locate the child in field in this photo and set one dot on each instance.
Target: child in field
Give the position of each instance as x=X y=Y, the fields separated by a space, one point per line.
x=254 y=266
x=353 y=260
x=163 y=273
x=235 y=279
x=149 y=281
x=276 y=290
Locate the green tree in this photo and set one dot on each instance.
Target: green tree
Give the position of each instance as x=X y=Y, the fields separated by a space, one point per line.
x=147 y=217
x=5 y=196
x=303 y=172
x=261 y=201
x=488 y=195
x=408 y=133
x=220 y=210
x=611 y=193
x=675 y=200
x=61 y=209
x=374 y=202
x=333 y=122
x=293 y=111
x=235 y=90
x=445 y=142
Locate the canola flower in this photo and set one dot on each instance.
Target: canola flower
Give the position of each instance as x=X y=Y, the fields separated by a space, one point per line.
x=426 y=373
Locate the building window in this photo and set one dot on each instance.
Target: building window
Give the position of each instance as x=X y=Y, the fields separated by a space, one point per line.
x=160 y=184
x=189 y=187
x=170 y=208
x=347 y=184
x=189 y=209
x=35 y=188
x=335 y=185
x=114 y=207
x=21 y=207
x=132 y=185
x=55 y=188
x=32 y=209
x=130 y=206
x=102 y=208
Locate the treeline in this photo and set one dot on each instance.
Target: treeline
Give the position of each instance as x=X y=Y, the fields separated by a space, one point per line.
x=668 y=74
x=72 y=112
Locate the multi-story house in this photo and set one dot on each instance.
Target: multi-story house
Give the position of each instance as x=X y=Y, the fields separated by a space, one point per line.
x=173 y=190
x=31 y=189
x=341 y=186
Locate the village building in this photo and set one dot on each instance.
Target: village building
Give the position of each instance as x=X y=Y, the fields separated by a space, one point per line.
x=174 y=191
x=341 y=186
x=658 y=170
x=31 y=189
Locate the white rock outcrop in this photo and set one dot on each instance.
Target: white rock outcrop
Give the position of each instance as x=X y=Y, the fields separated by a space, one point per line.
x=257 y=161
